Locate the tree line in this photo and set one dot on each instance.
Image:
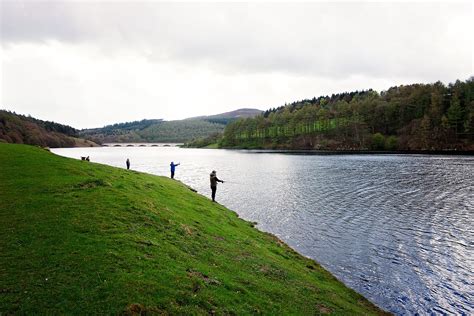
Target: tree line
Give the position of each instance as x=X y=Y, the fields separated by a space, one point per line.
x=407 y=117
x=21 y=129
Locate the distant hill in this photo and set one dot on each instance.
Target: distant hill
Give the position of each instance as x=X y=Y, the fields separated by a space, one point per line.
x=158 y=130
x=225 y=118
x=21 y=129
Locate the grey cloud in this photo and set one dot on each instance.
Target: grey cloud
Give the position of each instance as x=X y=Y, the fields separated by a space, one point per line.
x=316 y=39
x=37 y=21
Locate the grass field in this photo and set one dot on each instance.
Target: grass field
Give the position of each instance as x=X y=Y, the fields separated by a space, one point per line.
x=84 y=238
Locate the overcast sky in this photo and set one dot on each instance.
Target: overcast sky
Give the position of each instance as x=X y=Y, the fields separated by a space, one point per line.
x=88 y=64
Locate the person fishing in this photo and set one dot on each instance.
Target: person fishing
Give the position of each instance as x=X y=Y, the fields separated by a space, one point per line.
x=128 y=163
x=214 y=181
x=173 y=168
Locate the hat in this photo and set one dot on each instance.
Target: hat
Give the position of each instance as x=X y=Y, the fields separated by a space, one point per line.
x=213 y=172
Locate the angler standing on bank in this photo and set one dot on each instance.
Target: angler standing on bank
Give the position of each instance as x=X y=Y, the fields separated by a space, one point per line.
x=173 y=168
x=214 y=181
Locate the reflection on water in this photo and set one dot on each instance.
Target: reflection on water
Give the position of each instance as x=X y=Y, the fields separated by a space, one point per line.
x=396 y=228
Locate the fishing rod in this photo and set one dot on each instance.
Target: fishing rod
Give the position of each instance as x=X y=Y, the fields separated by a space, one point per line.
x=232 y=182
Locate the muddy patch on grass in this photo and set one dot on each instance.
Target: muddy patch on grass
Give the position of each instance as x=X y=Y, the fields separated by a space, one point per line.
x=323 y=310
x=219 y=238
x=146 y=242
x=243 y=255
x=92 y=183
x=272 y=272
x=201 y=276
x=138 y=309
x=187 y=230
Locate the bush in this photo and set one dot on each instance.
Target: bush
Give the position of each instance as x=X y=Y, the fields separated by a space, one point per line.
x=391 y=143
x=378 y=141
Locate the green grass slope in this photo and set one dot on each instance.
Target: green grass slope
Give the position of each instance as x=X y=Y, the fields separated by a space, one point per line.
x=84 y=238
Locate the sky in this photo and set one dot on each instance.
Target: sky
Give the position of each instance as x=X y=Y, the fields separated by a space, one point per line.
x=88 y=63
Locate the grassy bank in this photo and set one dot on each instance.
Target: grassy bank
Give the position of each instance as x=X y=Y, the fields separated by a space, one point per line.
x=85 y=238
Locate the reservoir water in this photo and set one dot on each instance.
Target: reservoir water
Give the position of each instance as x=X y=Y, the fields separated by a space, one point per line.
x=398 y=229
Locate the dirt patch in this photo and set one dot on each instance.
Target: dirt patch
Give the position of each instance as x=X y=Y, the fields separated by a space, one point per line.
x=149 y=185
x=323 y=309
x=203 y=277
x=188 y=230
x=146 y=242
x=275 y=239
x=139 y=309
x=272 y=272
x=243 y=256
x=92 y=183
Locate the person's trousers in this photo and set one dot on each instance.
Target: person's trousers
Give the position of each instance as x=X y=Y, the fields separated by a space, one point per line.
x=214 y=189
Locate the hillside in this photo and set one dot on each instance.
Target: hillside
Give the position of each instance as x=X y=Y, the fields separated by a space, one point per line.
x=409 y=117
x=166 y=131
x=227 y=117
x=20 y=129
x=84 y=238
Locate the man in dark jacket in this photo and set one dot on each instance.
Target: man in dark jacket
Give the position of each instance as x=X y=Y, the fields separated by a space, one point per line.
x=173 y=168
x=214 y=181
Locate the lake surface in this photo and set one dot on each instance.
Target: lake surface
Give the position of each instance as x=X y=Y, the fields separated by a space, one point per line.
x=398 y=229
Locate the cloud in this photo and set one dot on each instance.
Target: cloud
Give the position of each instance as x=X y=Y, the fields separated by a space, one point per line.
x=324 y=39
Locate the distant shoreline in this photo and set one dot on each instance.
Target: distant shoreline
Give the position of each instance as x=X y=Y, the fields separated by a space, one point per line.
x=358 y=152
x=307 y=151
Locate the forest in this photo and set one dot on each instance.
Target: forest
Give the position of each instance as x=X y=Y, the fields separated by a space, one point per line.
x=416 y=117
x=21 y=129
